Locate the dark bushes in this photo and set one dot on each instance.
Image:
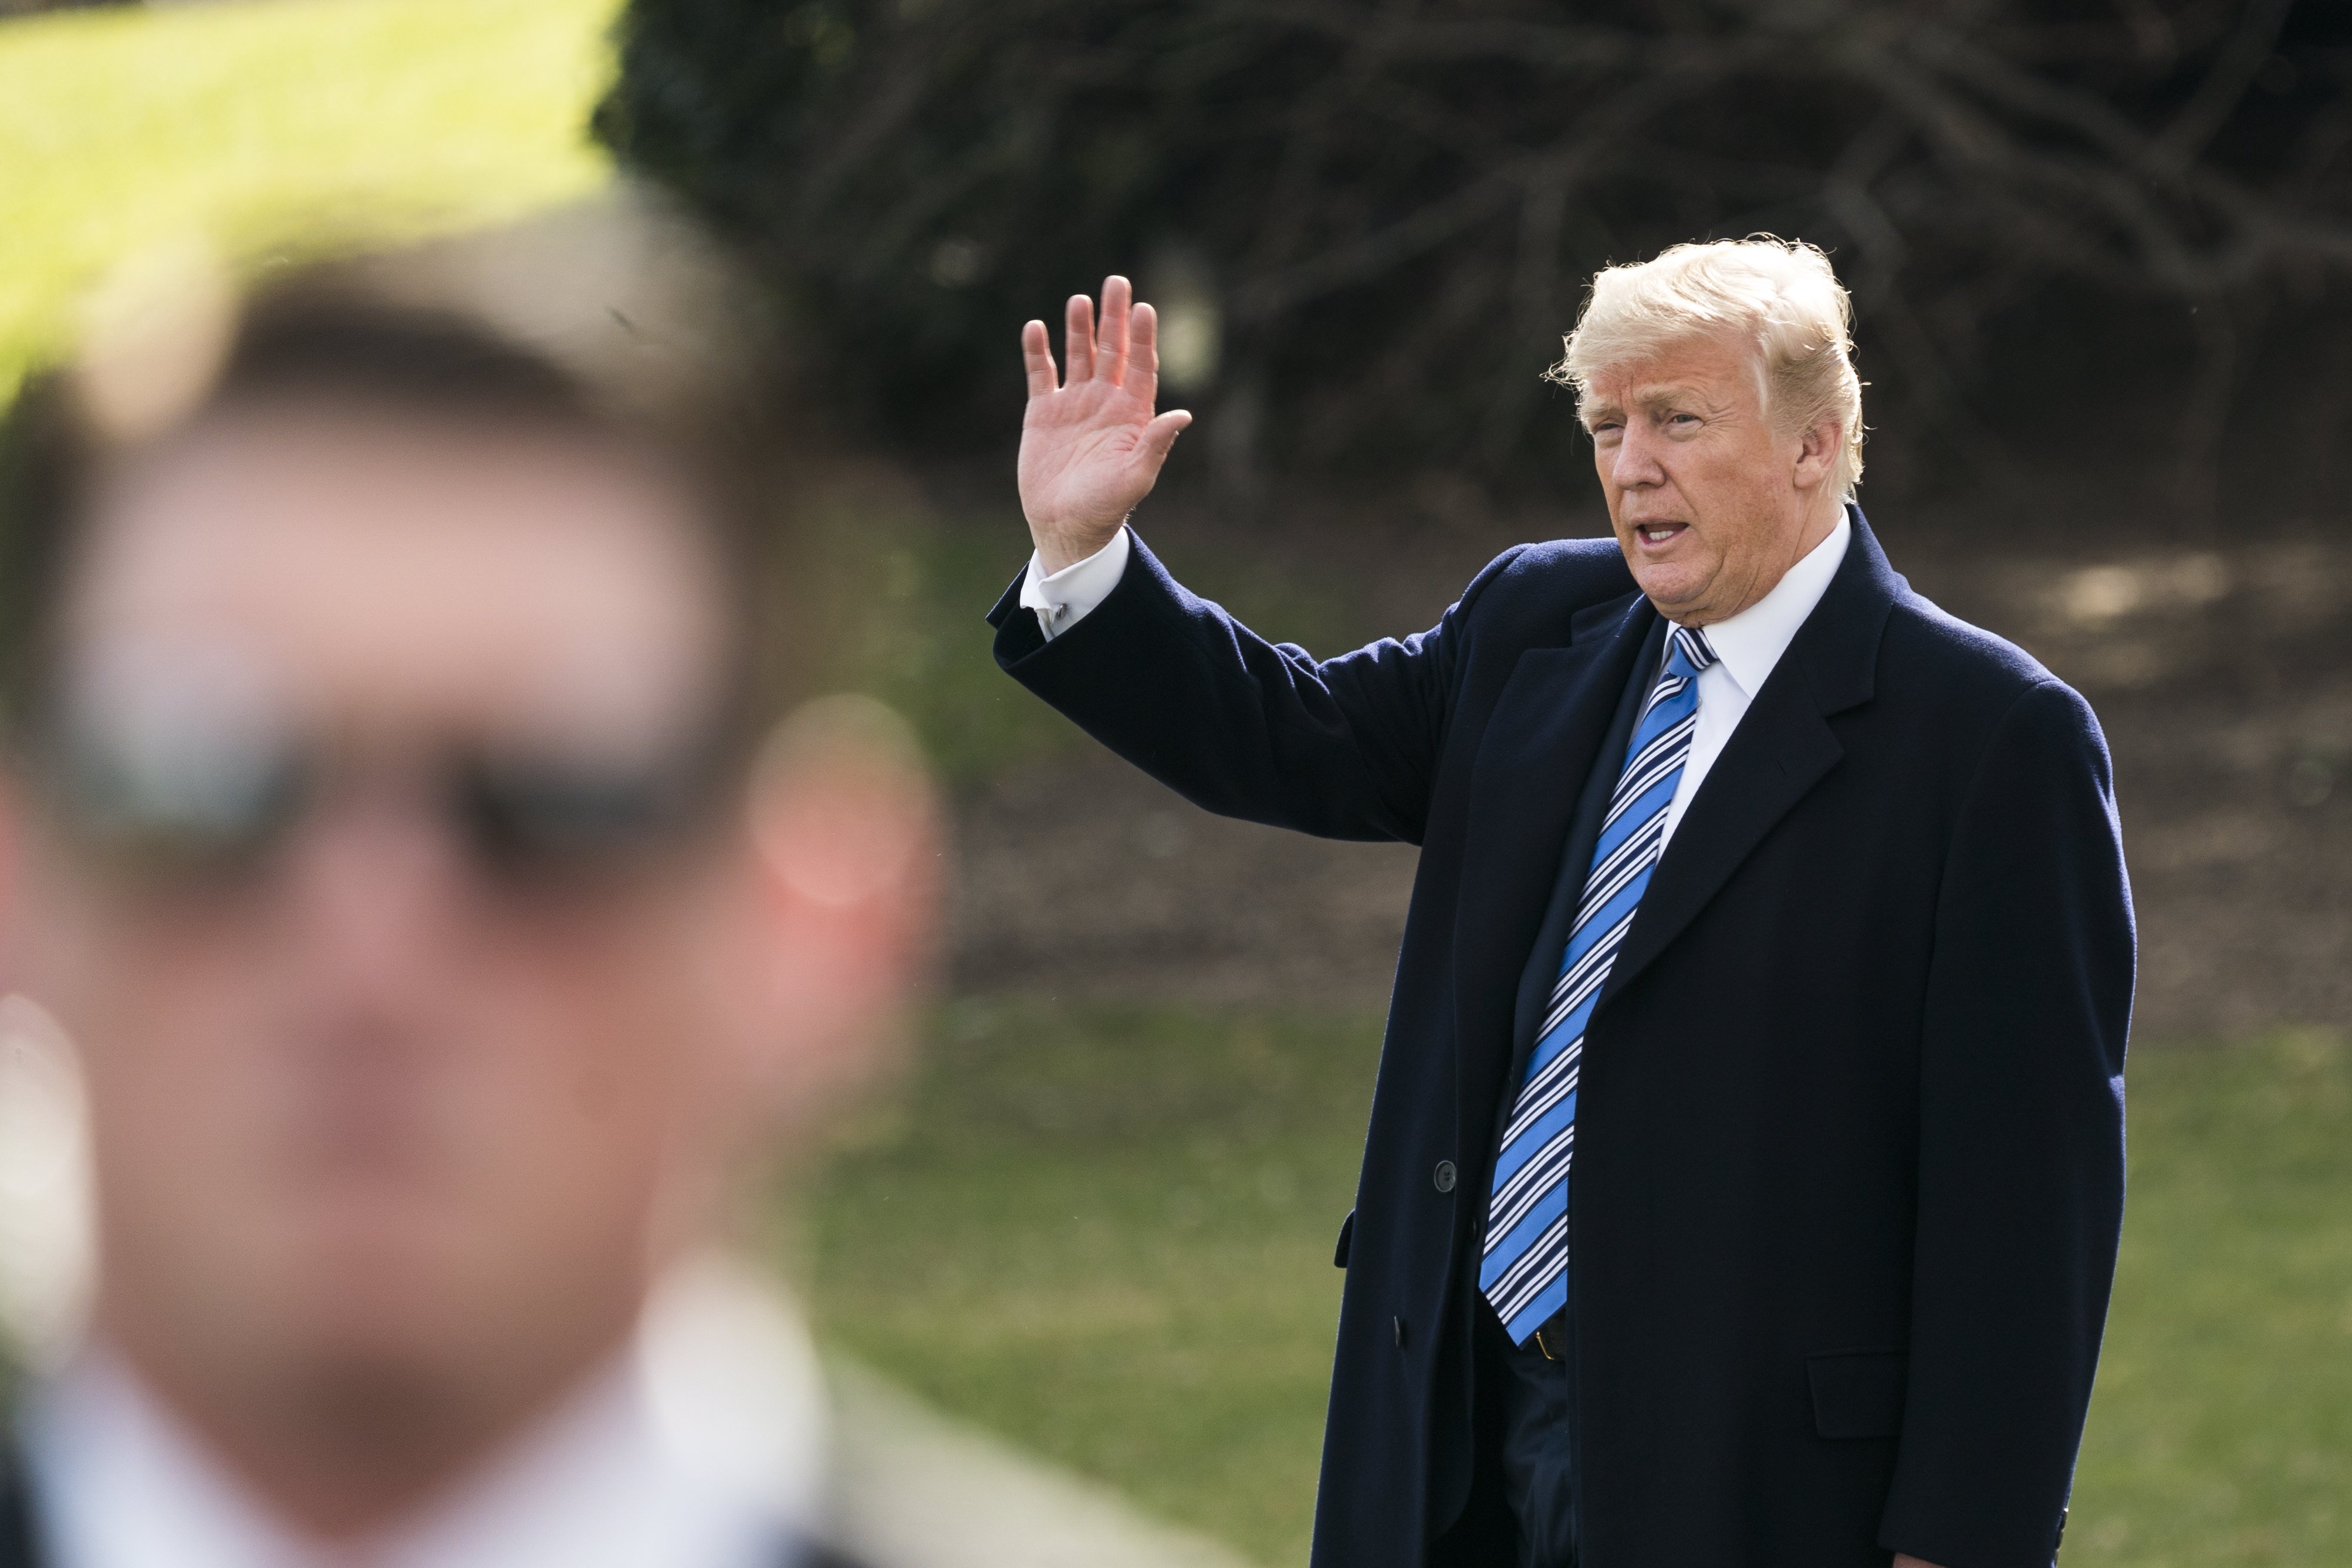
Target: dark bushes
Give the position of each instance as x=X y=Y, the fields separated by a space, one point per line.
x=1371 y=220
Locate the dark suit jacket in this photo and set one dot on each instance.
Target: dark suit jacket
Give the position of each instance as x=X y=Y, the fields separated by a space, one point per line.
x=16 y=1505
x=1850 y=1147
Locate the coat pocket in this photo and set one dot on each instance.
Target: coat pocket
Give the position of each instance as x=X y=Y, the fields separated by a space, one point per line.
x=1858 y=1394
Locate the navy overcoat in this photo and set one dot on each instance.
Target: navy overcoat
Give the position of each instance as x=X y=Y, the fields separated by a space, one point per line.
x=1850 y=1143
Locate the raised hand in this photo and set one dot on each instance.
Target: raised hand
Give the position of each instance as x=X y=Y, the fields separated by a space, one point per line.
x=1090 y=446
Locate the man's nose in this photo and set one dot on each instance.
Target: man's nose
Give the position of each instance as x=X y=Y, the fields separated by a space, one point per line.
x=377 y=889
x=1634 y=465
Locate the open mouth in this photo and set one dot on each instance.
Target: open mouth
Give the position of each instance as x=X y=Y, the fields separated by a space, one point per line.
x=1659 y=532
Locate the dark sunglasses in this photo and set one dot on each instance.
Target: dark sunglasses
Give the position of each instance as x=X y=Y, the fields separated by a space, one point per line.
x=185 y=805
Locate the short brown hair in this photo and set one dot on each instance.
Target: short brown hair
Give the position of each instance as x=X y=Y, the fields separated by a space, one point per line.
x=325 y=338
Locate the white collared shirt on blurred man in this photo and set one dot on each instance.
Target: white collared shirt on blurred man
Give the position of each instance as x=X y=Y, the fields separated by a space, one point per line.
x=703 y=1449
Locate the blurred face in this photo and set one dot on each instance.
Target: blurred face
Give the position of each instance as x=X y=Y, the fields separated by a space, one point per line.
x=394 y=1111
x=1711 y=501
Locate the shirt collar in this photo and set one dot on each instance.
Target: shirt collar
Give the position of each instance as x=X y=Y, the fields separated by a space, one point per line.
x=1750 y=644
x=702 y=1444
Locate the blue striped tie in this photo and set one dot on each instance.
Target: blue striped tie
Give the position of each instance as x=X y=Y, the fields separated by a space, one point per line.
x=1524 y=1272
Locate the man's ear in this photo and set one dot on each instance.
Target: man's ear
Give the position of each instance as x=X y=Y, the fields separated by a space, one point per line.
x=1817 y=454
x=849 y=856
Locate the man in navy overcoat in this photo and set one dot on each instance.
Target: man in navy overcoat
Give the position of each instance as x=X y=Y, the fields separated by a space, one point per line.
x=1746 y=1166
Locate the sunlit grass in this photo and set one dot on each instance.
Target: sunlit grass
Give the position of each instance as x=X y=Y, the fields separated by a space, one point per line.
x=308 y=124
x=1107 y=1233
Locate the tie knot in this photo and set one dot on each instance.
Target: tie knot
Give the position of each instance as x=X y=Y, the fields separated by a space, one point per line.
x=1689 y=652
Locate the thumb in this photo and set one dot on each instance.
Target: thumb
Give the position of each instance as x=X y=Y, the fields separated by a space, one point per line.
x=1161 y=434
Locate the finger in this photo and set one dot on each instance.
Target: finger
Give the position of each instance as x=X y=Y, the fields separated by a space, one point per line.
x=1160 y=435
x=1143 y=354
x=1037 y=355
x=1079 y=338
x=1118 y=297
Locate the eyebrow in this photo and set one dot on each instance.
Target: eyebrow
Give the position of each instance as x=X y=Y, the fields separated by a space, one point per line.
x=1641 y=397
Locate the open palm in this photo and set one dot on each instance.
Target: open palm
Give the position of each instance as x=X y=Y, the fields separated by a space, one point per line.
x=1090 y=446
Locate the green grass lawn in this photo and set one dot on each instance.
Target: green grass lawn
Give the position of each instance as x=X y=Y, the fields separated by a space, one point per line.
x=1107 y=1233
x=277 y=124
x=2222 y=1429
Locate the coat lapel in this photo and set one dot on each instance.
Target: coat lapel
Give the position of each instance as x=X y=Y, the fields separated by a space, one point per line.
x=1782 y=748
x=1537 y=747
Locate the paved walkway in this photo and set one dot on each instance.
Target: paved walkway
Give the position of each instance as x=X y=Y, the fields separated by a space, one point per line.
x=914 y=1489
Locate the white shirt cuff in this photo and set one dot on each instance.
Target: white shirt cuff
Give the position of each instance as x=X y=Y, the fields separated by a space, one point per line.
x=1067 y=597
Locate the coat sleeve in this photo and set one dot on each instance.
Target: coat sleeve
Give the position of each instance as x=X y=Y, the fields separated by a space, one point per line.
x=1346 y=747
x=2021 y=1145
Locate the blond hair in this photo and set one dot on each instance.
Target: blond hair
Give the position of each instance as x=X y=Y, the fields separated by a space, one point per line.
x=1779 y=294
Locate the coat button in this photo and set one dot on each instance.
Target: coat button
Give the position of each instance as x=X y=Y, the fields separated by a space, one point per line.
x=1441 y=1178
x=1399 y=1331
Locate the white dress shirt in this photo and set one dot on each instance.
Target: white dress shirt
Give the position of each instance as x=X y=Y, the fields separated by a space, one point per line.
x=699 y=1450
x=1068 y=597
x=1748 y=645
x=1746 y=648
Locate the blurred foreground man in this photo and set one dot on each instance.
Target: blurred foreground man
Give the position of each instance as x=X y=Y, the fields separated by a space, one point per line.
x=1816 y=890
x=388 y=824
